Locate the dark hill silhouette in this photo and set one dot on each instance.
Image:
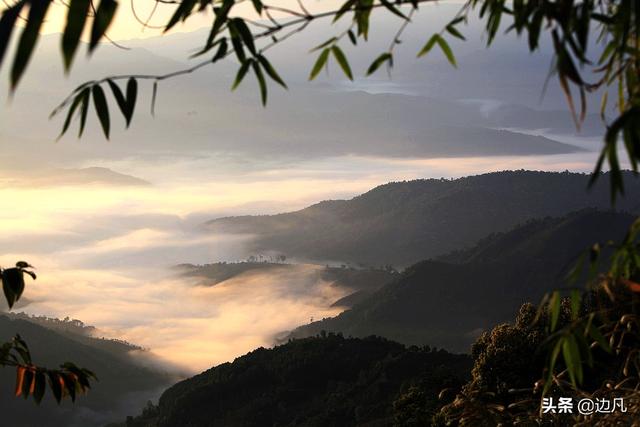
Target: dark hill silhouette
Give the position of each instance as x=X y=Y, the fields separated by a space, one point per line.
x=124 y=383
x=319 y=381
x=402 y=223
x=448 y=301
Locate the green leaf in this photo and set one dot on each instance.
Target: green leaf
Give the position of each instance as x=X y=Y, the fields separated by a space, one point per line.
x=342 y=61
x=446 y=50
x=444 y=46
x=346 y=6
x=271 y=71
x=236 y=41
x=154 y=96
x=132 y=94
x=242 y=71
x=391 y=8
x=118 y=95
x=324 y=44
x=454 y=32
x=7 y=23
x=245 y=34
x=76 y=18
x=69 y=385
x=361 y=15
x=571 y=356
x=257 y=5
x=352 y=37
x=55 y=385
x=84 y=110
x=552 y=365
x=26 y=384
x=575 y=303
x=222 y=50
x=320 y=62
x=126 y=104
x=554 y=307
x=378 y=62
x=28 y=39
x=261 y=81
x=40 y=386
x=182 y=11
x=76 y=103
x=104 y=16
x=102 y=109
x=428 y=46
x=12 y=285
x=221 y=14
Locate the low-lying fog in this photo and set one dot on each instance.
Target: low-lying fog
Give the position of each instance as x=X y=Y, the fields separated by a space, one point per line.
x=104 y=252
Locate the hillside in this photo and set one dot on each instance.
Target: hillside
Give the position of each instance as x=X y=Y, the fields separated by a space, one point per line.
x=320 y=381
x=402 y=223
x=447 y=302
x=124 y=383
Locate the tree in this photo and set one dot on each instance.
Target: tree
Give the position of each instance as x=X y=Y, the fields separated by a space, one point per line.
x=570 y=23
x=31 y=380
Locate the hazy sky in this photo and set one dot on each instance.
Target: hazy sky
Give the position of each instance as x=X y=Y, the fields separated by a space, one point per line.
x=125 y=26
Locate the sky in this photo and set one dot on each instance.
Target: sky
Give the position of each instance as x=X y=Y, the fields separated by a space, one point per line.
x=105 y=222
x=125 y=26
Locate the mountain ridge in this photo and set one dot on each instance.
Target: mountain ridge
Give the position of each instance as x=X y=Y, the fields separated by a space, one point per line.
x=449 y=300
x=401 y=223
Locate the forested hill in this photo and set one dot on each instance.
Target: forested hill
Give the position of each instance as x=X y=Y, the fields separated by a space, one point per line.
x=402 y=223
x=447 y=302
x=319 y=381
x=124 y=382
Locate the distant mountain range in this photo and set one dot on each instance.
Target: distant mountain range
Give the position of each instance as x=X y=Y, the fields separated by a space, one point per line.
x=61 y=177
x=127 y=378
x=401 y=223
x=448 y=301
x=424 y=112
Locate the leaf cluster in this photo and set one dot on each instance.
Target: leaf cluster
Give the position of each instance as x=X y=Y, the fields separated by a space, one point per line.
x=31 y=380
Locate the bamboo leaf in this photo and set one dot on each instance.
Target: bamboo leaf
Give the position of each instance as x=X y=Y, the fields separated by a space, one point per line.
x=444 y=46
x=76 y=103
x=320 y=62
x=261 y=81
x=154 y=95
x=454 y=32
x=132 y=94
x=554 y=307
x=28 y=39
x=76 y=19
x=7 y=24
x=378 y=62
x=342 y=61
x=271 y=71
x=428 y=46
x=84 y=110
x=242 y=71
x=102 y=109
x=104 y=16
